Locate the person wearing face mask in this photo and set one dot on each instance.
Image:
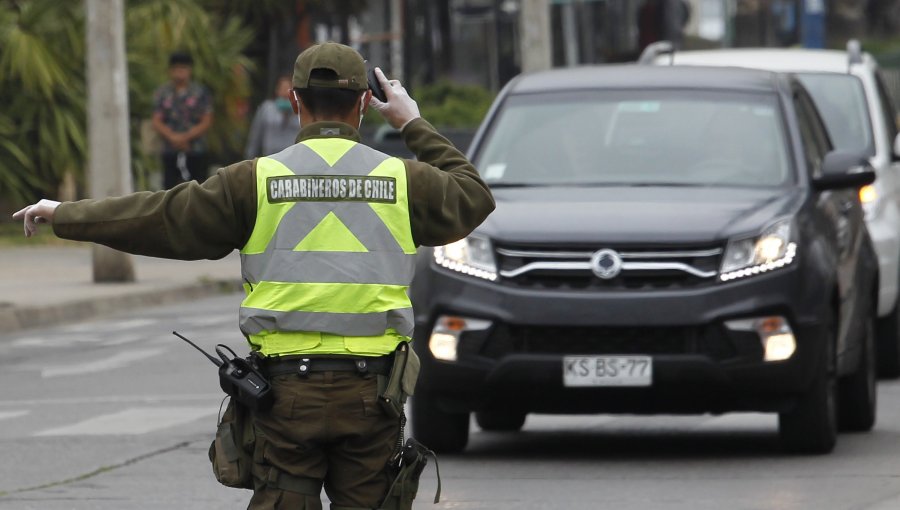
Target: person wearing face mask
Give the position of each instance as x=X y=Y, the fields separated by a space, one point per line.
x=274 y=125
x=327 y=230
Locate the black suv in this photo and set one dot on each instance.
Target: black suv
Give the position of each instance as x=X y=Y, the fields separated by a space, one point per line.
x=666 y=240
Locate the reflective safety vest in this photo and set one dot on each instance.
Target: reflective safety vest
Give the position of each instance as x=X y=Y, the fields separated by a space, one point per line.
x=331 y=255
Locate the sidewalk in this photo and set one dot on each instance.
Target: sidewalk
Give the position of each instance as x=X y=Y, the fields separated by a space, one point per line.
x=47 y=285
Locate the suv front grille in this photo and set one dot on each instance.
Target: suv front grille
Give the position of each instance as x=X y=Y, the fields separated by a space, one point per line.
x=708 y=340
x=641 y=268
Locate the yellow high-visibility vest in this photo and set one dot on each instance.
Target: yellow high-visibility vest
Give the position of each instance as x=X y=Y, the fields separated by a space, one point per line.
x=331 y=255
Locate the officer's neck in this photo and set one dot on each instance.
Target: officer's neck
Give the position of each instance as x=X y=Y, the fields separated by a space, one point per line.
x=307 y=118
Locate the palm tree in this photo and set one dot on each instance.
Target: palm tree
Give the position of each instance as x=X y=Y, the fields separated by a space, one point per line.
x=42 y=136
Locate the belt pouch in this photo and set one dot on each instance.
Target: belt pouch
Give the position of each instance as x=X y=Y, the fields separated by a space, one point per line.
x=231 y=451
x=400 y=384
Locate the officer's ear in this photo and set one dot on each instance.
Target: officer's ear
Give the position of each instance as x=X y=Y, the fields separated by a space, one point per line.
x=295 y=101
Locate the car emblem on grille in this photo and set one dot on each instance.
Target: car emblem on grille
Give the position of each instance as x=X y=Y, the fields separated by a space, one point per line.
x=606 y=264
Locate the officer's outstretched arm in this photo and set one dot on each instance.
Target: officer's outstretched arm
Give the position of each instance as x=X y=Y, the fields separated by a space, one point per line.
x=35 y=214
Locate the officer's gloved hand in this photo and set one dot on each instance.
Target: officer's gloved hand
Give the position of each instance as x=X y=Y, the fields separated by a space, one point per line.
x=35 y=214
x=400 y=109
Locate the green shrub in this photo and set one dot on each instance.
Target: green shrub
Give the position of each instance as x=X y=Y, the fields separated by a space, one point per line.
x=447 y=104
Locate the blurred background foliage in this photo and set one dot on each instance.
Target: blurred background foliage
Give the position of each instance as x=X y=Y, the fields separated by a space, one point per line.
x=42 y=85
x=446 y=104
x=42 y=82
x=42 y=89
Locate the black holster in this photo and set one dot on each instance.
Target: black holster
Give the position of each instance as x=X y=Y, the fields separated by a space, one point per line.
x=411 y=462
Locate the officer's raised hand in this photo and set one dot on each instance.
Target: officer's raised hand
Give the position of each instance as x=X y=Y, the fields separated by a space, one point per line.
x=35 y=214
x=399 y=109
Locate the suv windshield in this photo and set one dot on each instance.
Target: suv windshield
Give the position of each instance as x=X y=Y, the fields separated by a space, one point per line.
x=842 y=104
x=656 y=137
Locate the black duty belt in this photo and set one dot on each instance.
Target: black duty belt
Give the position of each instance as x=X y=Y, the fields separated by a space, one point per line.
x=305 y=365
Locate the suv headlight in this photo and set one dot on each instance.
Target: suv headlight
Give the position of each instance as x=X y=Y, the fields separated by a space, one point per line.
x=472 y=255
x=868 y=197
x=771 y=250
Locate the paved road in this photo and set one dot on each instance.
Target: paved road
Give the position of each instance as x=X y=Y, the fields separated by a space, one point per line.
x=118 y=414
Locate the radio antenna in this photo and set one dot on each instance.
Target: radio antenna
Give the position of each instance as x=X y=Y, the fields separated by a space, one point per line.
x=215 y=362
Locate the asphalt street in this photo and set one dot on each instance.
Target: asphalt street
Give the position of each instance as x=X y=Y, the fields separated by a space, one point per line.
x=117 y=413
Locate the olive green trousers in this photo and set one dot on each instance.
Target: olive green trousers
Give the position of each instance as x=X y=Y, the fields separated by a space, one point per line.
x=325 y=429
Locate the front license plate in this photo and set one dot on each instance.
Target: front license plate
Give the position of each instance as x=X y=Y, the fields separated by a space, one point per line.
x=582 y=371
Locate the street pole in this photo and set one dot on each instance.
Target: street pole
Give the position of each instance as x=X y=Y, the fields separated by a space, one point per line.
x=109 y=151
x=570 y=34
x=534 y=20
x=398 y=37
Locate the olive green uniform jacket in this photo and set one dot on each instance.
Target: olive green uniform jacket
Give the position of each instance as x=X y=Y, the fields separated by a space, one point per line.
x=192 y=221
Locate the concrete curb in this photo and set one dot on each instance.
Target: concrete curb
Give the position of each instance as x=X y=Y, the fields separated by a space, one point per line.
x=19 y=318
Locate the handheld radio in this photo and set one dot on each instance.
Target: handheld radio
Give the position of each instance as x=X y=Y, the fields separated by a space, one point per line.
x=238 y=378
x=375 y=85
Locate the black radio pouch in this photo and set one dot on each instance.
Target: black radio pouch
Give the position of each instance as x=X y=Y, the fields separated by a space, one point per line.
x=412 y=461
x=242 y=379
x=231 y=452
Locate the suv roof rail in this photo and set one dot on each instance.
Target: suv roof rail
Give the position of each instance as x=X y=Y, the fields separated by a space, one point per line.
x=656 y=49
x=854 y=52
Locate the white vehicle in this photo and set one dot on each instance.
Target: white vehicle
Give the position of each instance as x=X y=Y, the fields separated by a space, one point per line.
x=853 y=102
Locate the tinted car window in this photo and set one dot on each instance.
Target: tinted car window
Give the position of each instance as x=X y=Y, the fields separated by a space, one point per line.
x=841 y=101
x=815 y=141
x=887 y=109
x=637 y=138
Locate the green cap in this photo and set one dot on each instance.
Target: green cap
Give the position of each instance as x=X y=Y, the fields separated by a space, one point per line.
x=346 y=62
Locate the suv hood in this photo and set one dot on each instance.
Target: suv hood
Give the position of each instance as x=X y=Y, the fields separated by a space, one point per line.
x=649 y=215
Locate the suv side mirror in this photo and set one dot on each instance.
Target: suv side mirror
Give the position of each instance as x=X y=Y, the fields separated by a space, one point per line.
x=843 y=169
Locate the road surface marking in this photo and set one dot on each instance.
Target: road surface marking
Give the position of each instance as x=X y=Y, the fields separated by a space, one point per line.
x=134 y=421
x=6 y=415
x=29 y=341
x=108 y=326
x=116 y=399
x=123 y=339
x=118 y=360
x=230 y=320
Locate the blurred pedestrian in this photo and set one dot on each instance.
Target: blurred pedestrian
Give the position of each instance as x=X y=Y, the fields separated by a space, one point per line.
x=182 y=114
x=274 y=127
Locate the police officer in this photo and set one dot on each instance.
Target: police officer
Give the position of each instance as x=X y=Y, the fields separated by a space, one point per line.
x=327 y=230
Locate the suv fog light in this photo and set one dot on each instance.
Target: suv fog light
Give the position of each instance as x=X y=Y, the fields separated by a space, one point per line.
x=443 y=346
x=779 y=347
x=446 y=333
x=774 y=332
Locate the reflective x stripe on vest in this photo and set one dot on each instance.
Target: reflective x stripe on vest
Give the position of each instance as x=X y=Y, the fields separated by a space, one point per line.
x=331 y=252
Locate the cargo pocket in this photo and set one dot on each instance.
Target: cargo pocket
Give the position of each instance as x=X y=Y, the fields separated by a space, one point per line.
x=369 y=401
x=229 y=452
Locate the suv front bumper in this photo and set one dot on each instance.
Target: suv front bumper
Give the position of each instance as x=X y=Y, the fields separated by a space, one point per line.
x=699 y=364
